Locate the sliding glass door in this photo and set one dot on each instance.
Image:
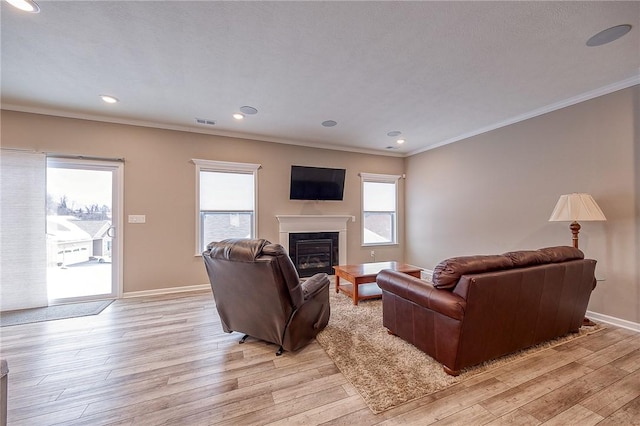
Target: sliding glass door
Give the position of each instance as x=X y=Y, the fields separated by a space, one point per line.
x=83 y=242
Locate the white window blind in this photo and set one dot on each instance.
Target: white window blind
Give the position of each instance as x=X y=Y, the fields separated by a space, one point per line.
x=226 y=201
x=23 y=279
x=379 y=209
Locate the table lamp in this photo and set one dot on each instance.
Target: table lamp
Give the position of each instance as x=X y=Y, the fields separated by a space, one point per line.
x=576 y=207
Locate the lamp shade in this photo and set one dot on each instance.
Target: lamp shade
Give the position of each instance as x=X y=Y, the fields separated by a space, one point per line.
x=576 y=207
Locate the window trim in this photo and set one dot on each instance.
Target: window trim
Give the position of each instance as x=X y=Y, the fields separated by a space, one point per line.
x=229 y=167
x=379 y=178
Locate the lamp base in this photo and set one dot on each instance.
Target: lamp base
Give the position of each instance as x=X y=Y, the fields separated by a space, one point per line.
x=575 y=229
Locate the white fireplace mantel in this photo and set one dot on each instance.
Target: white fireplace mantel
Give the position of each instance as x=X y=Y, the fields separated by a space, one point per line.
x=316 y=223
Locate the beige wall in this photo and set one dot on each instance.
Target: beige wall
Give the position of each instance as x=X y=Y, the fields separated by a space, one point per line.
x=159 y=183
x=495 y=192
x=486 y=194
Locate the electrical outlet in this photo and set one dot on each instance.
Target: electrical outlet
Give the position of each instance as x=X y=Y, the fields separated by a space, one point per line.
x=373 y=253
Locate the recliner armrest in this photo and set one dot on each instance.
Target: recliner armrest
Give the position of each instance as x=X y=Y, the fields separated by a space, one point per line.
x=314 y=285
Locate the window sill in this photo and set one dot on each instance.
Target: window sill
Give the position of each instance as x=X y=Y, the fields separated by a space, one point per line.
x=380 y=244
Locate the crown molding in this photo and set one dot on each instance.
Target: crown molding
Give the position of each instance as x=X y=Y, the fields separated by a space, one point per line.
x=164 y=126
x=605 y=90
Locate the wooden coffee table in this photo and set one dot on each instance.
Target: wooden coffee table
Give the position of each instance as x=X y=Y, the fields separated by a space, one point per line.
x=362 y=278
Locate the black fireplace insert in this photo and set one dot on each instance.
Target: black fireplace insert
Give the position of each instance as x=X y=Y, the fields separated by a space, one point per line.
x=314 y=252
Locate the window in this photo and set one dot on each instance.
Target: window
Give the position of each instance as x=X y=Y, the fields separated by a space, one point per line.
x=379 y=209
x=225 y=201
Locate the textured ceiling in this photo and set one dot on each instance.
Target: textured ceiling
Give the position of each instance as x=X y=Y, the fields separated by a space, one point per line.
x=436 y=71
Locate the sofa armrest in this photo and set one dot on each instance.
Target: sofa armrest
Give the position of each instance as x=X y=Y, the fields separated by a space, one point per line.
x=422 y=293
x=314 y=285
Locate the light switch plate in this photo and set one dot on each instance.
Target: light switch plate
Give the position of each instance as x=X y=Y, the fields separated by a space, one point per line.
x=137 y=218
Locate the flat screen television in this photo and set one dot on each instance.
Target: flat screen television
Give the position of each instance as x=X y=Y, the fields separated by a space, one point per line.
x=316 y=183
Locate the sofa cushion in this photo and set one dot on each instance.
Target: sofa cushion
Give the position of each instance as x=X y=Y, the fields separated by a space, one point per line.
x=524 y=258
x=447 y=273
x=562 y=253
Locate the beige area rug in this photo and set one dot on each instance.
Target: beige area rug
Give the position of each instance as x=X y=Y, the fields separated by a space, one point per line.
x=386 y=370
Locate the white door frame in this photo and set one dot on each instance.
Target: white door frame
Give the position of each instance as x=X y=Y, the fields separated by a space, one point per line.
x=117 y=216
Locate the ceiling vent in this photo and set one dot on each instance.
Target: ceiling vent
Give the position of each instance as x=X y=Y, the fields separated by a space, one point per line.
x=205 y=122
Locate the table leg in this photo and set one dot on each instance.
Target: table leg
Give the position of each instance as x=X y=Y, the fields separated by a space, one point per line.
x=355 y=292
x=337 y=284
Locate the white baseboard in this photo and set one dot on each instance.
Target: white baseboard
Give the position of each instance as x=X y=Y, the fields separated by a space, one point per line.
x=633 y=326
x=170 y=290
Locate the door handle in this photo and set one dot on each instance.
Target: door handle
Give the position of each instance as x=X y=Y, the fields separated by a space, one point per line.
x=111 y=232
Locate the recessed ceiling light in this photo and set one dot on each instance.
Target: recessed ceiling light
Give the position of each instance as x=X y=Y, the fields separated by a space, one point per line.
x=249 y=110
x=394 y=133
x=109 y=99
x=25 y=5
x=608 y=35
x=400 y=141
x=329 y=123
x=238 y=116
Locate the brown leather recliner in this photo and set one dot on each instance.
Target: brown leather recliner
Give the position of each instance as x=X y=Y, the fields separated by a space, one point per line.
x=258 y=292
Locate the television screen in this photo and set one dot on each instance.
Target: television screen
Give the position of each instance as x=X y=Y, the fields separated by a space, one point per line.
x=316 y=183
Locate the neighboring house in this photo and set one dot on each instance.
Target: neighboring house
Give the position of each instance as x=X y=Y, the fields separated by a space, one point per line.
x=99 y=232
x=220 y=225
x=66 y=242
x=70 y=240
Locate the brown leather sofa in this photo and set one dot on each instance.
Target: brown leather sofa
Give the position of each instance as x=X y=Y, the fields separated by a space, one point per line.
x=258 y=292
x=482 y=307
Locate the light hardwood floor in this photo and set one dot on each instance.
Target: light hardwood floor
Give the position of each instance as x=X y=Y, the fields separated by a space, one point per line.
x=165 y=360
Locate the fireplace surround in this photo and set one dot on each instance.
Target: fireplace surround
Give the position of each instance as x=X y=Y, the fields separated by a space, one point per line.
x=289 y=224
